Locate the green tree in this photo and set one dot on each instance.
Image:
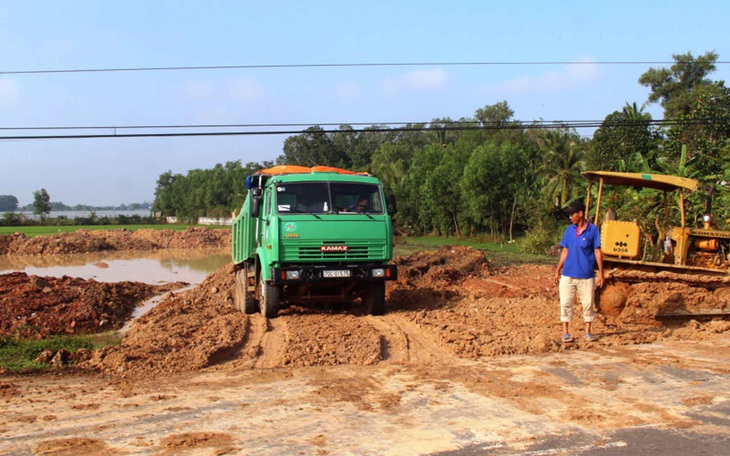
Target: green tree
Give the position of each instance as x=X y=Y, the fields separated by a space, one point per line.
x=673 y=87
x=215 y=192
x=496 y=182
x=563 y=152
x=625 y=141
x=498 y=124
x=41 y=204
x=315 y=147
x=164 y=197
x=495 y=115
x=705 y=130
x=8 y=203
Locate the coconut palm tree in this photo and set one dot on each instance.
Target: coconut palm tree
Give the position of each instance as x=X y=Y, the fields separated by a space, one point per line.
x=562 y=164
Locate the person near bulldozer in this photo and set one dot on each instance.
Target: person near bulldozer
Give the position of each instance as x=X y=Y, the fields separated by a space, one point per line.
x=575 y=275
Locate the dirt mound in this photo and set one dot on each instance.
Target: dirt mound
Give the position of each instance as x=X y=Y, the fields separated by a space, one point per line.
x=187 y=331
x=38 y=307
x=441 y=267
x=448 y=303
x=83 y=241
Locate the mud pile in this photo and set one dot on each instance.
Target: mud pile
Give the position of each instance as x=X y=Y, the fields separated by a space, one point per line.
x=39 y=307
x=187 y=331
x=446 y=303
x=83 y=241
x=641 y=297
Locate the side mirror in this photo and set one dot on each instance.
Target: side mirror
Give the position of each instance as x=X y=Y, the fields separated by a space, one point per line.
x=393 y=206
x=255 y=201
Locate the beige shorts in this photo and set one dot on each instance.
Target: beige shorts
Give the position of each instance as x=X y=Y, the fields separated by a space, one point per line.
x=569 y=288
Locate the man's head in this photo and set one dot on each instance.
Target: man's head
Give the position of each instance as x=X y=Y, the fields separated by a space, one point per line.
x=362 y=204
x=576 y=211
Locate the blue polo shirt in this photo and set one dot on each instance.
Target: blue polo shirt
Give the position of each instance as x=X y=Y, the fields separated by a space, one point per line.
x=581 y=251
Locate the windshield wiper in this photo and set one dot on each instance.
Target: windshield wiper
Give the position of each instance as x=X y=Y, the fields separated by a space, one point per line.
x=305 y=212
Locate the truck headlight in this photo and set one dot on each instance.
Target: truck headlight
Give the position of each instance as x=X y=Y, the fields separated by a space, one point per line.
x=378 y=272
x=292 y=275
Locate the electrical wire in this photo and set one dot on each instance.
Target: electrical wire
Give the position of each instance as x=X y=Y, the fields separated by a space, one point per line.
x=333 y=65
x=376 y=127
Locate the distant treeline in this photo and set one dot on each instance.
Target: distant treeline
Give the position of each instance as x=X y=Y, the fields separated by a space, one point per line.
x=491 y=175
x=9 y=203
x=60 y=207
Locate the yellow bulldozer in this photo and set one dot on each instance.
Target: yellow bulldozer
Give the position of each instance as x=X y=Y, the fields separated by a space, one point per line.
x=666 y=271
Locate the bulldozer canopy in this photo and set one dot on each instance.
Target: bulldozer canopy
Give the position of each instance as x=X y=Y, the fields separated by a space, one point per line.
x=658 y=181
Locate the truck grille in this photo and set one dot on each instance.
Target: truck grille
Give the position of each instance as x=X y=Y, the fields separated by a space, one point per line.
x=303 y=251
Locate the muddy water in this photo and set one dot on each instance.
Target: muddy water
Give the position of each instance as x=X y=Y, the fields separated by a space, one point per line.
x=156 y=267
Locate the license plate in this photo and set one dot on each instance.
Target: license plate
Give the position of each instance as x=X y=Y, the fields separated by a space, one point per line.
x=334 y=274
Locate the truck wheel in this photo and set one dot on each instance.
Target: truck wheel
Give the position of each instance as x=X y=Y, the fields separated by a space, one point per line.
x=243 y=298
x=269 y=300
x=374 y=300
x=238 y=287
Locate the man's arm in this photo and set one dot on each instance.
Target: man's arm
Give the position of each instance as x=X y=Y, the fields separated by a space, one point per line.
x=563 y=256
x=599 y=261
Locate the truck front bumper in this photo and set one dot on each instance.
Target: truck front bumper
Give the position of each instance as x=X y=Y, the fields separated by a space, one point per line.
x=333 y=273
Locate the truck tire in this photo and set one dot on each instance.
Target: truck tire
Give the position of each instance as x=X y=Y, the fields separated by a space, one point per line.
x=270 y=300
x=374 y=299
x=244 y=300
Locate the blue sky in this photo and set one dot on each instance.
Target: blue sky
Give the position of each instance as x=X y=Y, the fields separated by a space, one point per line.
x=85 y=34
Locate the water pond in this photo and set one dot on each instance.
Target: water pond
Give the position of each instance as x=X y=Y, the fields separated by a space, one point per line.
x=152 y=267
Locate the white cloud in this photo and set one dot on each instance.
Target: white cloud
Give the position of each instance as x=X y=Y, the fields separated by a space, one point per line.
x=214 y=115
x=582 y=72
x=245 y=90
x=418 y=80
x=238 y=90
x=9 y=93
x=347 y=91
x=196 y=90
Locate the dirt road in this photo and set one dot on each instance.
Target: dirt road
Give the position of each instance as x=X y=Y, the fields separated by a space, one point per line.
x=420 y=400
x=466 y=361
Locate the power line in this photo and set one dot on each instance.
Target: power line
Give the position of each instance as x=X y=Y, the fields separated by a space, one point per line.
x=375 y=124
x=333 y=65
x=381 y=127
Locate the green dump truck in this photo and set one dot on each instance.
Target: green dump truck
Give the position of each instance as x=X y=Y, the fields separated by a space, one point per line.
x=316 y=234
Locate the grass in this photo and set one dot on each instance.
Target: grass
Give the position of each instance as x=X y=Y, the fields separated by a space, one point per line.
x=48 y=230
x=497 y=252
x=20 y=354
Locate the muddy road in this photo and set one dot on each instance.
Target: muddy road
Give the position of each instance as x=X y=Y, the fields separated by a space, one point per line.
x=466 y=361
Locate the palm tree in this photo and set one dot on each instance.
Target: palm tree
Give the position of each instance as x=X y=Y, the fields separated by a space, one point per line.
x=562 y=164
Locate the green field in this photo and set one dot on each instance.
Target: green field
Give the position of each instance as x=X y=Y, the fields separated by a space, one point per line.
x=499 y=253
x=20 y=354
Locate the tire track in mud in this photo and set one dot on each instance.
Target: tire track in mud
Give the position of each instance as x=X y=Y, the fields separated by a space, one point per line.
x=272 y=343
x=262 y=347
x=404 y=342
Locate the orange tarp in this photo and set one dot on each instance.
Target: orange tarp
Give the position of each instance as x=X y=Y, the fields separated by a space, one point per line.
x=294 y=169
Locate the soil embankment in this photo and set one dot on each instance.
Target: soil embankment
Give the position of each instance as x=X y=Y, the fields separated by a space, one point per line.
x=450 y=302
x=442 y=371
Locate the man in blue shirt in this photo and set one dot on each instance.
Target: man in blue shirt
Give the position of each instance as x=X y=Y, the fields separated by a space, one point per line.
x=581 y=245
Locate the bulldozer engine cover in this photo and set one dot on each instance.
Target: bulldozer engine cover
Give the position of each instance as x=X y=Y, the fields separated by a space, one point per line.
x=620 y=239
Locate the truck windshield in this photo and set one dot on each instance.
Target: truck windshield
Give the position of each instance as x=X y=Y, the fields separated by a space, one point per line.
x=323 y=197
